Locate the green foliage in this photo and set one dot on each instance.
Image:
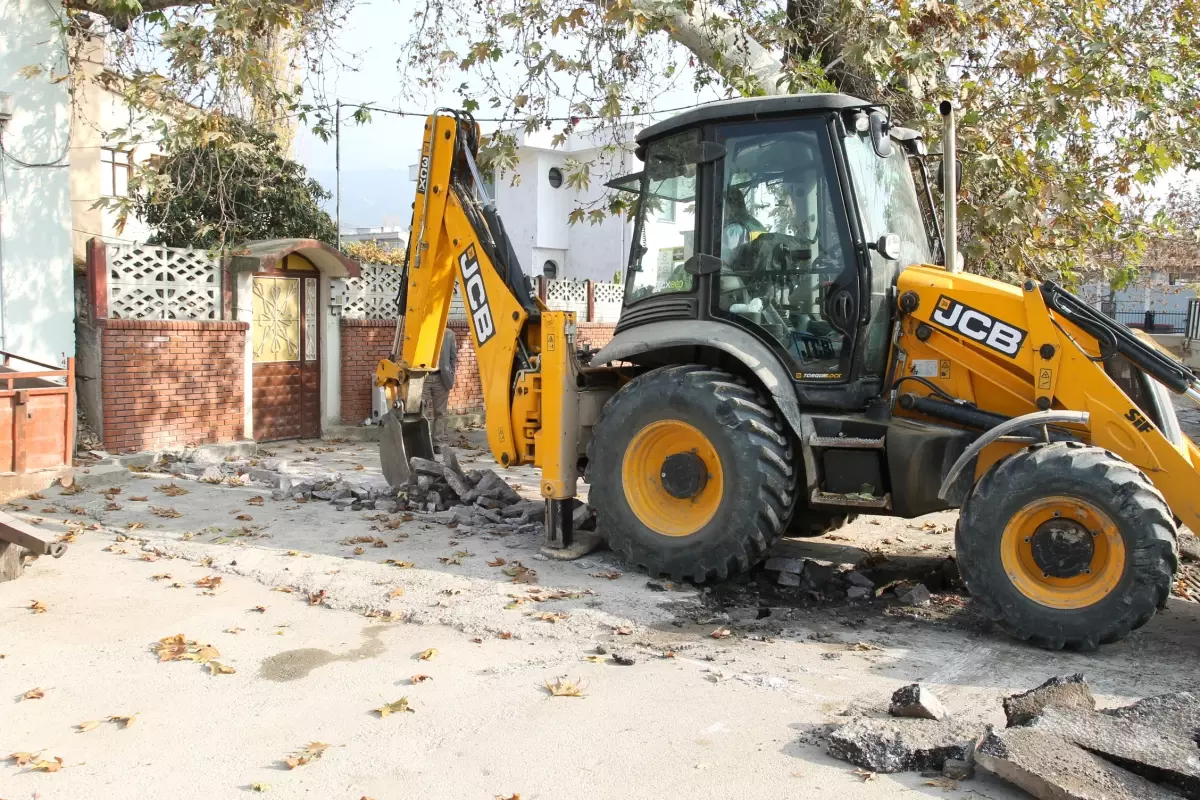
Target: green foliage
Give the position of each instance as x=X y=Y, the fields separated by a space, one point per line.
x=1073 y=111
x=371 y=253
x=232 y=185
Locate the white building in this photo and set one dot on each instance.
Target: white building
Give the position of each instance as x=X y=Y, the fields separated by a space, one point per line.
x=36 y=282
x=535 y=203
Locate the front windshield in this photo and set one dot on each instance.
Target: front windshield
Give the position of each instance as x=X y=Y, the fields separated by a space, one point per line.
x=887 y=199
x=666 y=220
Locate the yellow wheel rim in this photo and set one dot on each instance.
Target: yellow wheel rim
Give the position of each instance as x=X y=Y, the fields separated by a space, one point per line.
x=665 y=460
x=1073 y=520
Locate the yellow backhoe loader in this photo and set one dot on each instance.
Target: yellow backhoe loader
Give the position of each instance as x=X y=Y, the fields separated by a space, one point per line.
x=790 y=353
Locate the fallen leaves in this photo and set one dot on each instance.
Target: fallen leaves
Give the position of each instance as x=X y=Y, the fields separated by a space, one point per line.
x=316 y=598
x=91 y=724
x=209 y=582
x=455 y=559
x=611 y=575
x=141 y=499
x=312 y=752
x=162 y=576
x=255 y=501
x=520 y=573
x=943 y=783
x=21 y=759
x=504 y=635
x=244 y=518
x=426 y=655
x=123 y=720
x=564 y=687
x=260 y=787
x=234 y=630
x=74 y=488
x=397 y=707
x=420 y=678
x=862 y=647
x=181 y=648
x=721 y=633
x=171 y=489
x=38 y=607
x=133 y=526
x=113 y=507
x=34 y=694
x=397 y=592
x=358 y=551
x=217 y=668
x=400 y=564
x=864 y=775
x=497 y=562
x=551 y=616
x=623 y=630
x=260 y=609
x=47 y=766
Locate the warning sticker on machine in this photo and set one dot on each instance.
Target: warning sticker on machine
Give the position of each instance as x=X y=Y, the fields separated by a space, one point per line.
x=925 y=367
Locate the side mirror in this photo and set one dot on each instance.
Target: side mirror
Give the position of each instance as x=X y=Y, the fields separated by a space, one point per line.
x=940 y=176
x=880 y=136
x=888 y=246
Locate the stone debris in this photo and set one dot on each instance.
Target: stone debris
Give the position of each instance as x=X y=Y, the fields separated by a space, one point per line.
x=916 y=595
x=854 y=578
x=1069 y=691
x=1057 y=746
x=903 y=745
x=917 y=702
x=1163 y=753
x=1050 y=768
x=794 y=566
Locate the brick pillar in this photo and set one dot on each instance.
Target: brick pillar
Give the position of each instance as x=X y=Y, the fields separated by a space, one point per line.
x=541 y=279
x=591 y=301
x=97 y=278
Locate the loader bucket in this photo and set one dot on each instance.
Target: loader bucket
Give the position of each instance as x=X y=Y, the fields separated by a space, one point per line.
x=399 y=440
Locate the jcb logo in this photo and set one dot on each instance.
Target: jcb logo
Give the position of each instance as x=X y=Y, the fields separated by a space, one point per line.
x=423 y=174
x=1139 y=421
x=974 y=324
x=481 y=312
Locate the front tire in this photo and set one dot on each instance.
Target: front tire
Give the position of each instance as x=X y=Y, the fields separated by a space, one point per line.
x=691 y=473
x=1067 y=545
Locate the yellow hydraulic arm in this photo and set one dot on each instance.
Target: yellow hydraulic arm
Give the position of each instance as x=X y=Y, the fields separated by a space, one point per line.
x=525 y=352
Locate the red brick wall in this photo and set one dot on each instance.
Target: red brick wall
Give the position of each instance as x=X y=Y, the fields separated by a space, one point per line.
x=168 y=383
x=364 y=342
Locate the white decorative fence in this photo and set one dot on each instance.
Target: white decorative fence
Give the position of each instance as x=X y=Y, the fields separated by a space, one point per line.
x=568 y=295
x=373 y=294
x=147 y=282
x=592 y=301
x=606 y=301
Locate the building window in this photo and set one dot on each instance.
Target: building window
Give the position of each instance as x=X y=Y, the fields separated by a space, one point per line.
x=114 y=172
x=549 y=270
x=555 y=177
x=666 y=210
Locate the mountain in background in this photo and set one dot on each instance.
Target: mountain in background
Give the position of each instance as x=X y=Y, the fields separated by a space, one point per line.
x=370 y=198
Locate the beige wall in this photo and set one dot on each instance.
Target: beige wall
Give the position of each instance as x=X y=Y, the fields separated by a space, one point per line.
x=98 y=110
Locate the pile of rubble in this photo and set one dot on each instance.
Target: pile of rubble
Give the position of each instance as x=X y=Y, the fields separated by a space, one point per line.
x=1055 y=746
x=478 y=497
x=827 y=580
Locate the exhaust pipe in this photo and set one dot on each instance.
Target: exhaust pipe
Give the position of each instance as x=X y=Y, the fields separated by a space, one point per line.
x=949 y=186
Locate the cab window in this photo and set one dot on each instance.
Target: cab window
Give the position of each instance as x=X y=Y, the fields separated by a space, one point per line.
x=666 y=220
x=785 y=249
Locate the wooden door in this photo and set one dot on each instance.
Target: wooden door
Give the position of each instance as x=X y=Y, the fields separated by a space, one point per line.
x=286 y=350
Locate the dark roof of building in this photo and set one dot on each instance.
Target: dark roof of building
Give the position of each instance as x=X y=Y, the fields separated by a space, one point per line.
x=743 y=108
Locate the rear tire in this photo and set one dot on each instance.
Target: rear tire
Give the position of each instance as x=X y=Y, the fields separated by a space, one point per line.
x=1133 y=554
x=755 y=471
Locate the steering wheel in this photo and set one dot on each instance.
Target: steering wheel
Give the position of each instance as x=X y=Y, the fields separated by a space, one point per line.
x=771 y=252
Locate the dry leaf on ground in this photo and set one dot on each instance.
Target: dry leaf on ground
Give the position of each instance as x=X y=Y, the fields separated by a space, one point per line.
x=397 y=592
x=426 y=655
x=123 y=720
x=234 y=630
x=316 y=598
x=400 y=564
x=133 y=526
x=257 y=500
x=244 y=517
x=171 y=489
x=497 y=562
x=862 y=647
x=260 y=609
x=141 y=499
x=21 y=758
x=623 y=630
x=611 y=575
x=313 y=751
x=84 y=727
x=260 y=787
x=564 y=687
x=217 y=668
x=420 y=678
x=504 y=635
x=358 y=551
x=209 y=582
x=394 y=708
x=37 y=607
x=47 y=766
x=721 y=633
x=865 y=775
x=551 y=616
x=162 y=576
x=34 y=694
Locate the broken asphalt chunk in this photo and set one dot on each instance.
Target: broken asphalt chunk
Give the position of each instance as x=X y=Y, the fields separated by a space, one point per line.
x=1050 y=768
x=1070 y=691
x=917 y=702
x=894 y=745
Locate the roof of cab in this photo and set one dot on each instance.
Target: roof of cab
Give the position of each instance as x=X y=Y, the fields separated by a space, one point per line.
x=749 y=108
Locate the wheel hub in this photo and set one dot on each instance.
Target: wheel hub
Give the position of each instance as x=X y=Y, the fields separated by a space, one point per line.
x=684 y=475
x=1062 y=548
